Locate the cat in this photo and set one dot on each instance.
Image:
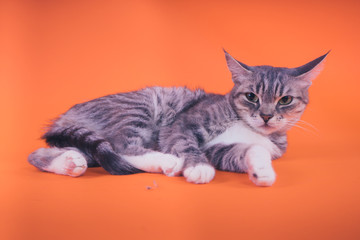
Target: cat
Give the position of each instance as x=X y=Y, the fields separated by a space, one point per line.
x=177 y=131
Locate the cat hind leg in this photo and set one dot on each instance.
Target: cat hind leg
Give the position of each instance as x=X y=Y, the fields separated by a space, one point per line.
x=156 y=162
x=64 y=161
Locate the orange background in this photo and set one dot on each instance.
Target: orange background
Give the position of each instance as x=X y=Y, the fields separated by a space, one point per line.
x=54 y=54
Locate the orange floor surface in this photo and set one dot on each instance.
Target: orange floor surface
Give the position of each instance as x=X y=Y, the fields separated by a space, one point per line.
x=54 y=54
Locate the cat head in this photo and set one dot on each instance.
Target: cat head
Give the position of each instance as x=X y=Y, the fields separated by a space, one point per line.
x=271 y=99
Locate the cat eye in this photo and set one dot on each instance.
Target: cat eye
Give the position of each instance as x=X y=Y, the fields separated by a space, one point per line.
x=252 y=97
x=285 y=100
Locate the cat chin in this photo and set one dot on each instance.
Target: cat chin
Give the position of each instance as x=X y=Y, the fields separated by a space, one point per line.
x=266 y=129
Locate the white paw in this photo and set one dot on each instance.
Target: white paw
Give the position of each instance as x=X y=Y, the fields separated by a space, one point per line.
x=171 y=165
x=263 y=177
x=69 y=163
x=157 y=162
x=201 y=173
x=258 y=161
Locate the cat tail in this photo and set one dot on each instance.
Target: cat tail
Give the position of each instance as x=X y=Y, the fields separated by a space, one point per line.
x=91 y=145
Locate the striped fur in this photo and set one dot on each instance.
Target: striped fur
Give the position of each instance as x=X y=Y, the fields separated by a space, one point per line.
x=196 y=130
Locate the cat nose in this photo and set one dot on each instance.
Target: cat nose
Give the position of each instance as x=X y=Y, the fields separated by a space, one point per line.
x=266 y=117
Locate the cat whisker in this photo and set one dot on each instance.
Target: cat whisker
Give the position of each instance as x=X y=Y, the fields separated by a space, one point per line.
x=309 y=124
x=304 y=128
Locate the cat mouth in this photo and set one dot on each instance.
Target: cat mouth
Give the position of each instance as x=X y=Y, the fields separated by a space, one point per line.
x=267 y=128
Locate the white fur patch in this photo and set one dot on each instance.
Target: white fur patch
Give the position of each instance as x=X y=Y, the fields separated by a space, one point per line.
x=157 y=162
x=201 y=173
x=258 y=161
x=69 y=163
x=240 y=133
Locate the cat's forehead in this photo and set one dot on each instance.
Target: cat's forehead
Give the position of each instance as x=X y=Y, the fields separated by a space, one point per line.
x=271 y=82
x=269 y=73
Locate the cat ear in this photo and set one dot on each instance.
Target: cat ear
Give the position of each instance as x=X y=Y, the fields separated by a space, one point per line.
x=239 y=71
x=309 y=71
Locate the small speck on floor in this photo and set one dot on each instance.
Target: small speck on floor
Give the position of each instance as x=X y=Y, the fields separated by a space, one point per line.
x=152 y=187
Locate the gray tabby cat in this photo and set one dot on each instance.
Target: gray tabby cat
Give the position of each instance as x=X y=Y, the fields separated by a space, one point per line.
x=177 y=131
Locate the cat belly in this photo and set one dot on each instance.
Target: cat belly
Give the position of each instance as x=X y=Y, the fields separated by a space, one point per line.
x=240 y=133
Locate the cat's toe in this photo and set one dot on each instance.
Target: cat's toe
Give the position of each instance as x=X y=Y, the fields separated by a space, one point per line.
x=264 y=177
x=77 y=166
x=172 y=166
x=69 y=163
x=201 y=173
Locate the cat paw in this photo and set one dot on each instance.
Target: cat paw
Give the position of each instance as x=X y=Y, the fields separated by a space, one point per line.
x=171 y=165
x=69 y=163
x=263 y=177
x=157 y=162
x=258 y=161
x=201 y=173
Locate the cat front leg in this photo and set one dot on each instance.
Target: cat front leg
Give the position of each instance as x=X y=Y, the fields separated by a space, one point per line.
x=243 y=158
x=199 y=173
x=259 y=167
x=196 y=167
x=228 y=157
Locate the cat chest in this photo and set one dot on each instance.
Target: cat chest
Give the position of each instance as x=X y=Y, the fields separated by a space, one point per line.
x=240 y=134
